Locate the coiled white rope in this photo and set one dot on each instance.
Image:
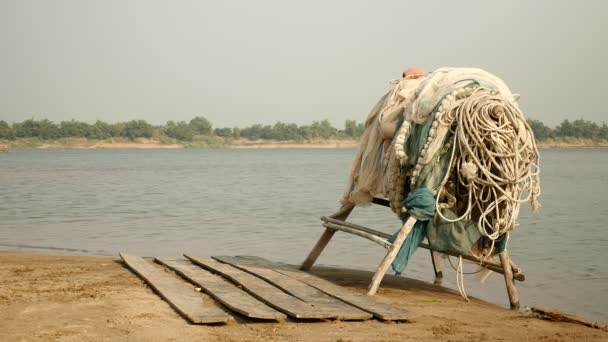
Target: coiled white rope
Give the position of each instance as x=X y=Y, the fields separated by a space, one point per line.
x=497 y=161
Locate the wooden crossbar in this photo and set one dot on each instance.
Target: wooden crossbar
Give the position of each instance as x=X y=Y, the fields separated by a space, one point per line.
x=381 y=238
x=337 y=222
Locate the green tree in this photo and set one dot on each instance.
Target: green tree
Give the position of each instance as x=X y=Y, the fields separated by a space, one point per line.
x=180 y=130
x=200 y=125
x=353 y=129
x=117 y=129
x=223 y=132
x=137 y=129
x=75 y=128
x=236 y=133
x=43 y=129
x=603 y=132
x=540 y=130
x=565 y=129
x=323 y=129
x=6 y=131
x=101 y=130
x=579 y=129
x=283 y=131
x=253 y=132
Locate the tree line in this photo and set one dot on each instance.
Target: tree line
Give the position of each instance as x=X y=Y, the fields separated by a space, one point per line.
x=581 y=129
x=200 y=127
x=180 y=130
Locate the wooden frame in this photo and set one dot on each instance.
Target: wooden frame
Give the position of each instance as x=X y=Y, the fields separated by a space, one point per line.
x=337 y=222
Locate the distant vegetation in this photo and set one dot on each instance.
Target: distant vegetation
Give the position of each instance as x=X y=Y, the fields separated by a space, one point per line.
x=196 y=129
x=579 y=129
x=200 y=129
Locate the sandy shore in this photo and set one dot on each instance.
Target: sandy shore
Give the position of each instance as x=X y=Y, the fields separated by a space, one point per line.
x=67 y=298
x=278 y=145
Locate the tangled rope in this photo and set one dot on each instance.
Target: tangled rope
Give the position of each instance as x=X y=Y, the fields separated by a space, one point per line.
x=497 y=164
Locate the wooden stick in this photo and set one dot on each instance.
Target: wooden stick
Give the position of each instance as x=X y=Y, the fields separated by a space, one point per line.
x=436 y=267
x=511 y=289
x=561 y=317
x=382 y=242
x=381 y=201
x=483 y=263
x=514 y=266
x=517 y=275
x=373 y=235
x=342 y=214
x=390 y=256
x=357 y=227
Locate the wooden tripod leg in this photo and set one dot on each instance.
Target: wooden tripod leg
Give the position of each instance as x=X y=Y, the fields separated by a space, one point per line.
x=390 y=256
x=511 y=289
x=436 y=267
x=342 y=214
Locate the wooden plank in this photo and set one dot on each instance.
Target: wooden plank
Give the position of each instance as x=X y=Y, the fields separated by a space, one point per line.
x=182 y=297
x=263 y=291
x=363 y=302
x=305 y=292
x=222 y=290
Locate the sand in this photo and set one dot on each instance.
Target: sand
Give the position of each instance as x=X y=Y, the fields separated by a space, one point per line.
x=77 y=298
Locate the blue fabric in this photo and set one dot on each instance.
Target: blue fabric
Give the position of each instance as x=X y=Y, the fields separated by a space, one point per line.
x=459 y=236
x=501 y=244
x=420 y=204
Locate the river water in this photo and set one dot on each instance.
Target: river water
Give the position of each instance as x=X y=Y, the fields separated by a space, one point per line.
x=268 y=203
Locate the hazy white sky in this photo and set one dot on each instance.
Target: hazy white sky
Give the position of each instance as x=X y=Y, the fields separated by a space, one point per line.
x=244 y=62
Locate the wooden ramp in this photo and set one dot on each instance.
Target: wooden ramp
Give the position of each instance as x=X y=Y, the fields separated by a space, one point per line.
x=361 y=301
x=255 y=288
x=264 y=291
x=177 y=293
x=222 y=290
x=320 y=300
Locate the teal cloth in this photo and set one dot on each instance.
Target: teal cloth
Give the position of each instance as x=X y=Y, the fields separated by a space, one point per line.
x=459 y=236
x=420 y=204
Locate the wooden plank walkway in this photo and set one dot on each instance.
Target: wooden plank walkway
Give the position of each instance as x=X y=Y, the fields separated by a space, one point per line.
x=222 y=290
x=263 y=291
x=177 y=293
x=320 y=300
x=361 y=301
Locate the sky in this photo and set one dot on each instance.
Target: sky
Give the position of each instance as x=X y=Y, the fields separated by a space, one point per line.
x=243 y=62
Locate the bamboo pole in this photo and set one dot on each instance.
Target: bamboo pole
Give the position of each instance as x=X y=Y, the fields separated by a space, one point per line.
x=342 y=214
x=511 y=289
x=390 y=256
x=436 y=267
x=382 y=242
x=493 y=266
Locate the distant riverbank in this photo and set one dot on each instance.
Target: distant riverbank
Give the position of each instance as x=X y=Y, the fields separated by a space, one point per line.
x=143 y=143
x=218 y=142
